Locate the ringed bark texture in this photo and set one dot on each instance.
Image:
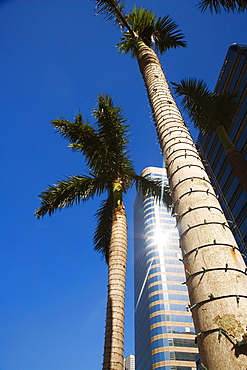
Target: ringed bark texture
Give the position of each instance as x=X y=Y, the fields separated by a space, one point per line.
x=239 y=166
x=215 y=270
x=114 y=330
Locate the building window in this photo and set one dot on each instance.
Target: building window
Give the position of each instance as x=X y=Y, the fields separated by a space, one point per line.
x=170 y=342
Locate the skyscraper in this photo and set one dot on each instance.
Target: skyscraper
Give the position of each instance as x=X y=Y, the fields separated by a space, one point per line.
x=164 y=332
x=233 y=77
x=129 y=362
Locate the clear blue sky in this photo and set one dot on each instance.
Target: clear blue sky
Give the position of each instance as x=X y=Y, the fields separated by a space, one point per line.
x=55 y=59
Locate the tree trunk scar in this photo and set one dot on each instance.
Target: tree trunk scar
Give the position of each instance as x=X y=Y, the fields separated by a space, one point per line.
x=230 y=325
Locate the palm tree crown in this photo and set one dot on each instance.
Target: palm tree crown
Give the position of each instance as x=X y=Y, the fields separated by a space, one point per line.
x=214 y=112
x=110 y=169
x=161 y=33
x=207 y=109
x=141 y=25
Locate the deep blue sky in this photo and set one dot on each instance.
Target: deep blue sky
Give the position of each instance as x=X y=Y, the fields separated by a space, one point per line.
x=55 y=58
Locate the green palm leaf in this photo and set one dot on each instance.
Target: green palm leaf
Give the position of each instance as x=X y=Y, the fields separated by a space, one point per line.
x=114 y=134
x=102 y=235
x=82 y=136
x=67 y=192
x=167 y=36
x=163 y=33
x=77 y=131
x=214 y=112
x=104 y=146
x=208 y=110
x=113 y=10
x=226 y=5
x=154 y=188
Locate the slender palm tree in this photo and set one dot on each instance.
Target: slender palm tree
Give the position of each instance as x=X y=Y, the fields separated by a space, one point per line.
x=226 y=5
x=213 y=112
x=215 y=269
x=110 y=171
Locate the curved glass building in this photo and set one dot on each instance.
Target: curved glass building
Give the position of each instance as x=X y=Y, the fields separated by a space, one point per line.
x=164 y=332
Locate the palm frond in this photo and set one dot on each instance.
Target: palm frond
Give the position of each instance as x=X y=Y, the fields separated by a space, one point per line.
x=190 y=85
x=127 y=45
x=155 y=188
x=208 y=110
x=74 y=131
x=194 y=92
x=163 y=33
x=113 y=10
x=197 y=102
x=105 y=147
x=226 y=5
x=113 y=134
x=67 y=192
x=102 y=235
x=142 y=23
x=167 y=35
x=82 y=136
x=225 y=106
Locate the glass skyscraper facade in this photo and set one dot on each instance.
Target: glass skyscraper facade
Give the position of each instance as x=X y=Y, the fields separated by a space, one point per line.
x=233 y=77
x=164 y=332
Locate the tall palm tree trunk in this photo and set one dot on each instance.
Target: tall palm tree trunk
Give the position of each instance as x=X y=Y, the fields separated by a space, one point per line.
x=239 y=166
x=114 y=330
x=235 y=157
x=215 y=271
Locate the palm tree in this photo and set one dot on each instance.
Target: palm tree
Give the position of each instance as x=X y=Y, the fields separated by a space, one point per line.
x=110 y=171
x=226 y=5
x=213 y=262
x=213 y=112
